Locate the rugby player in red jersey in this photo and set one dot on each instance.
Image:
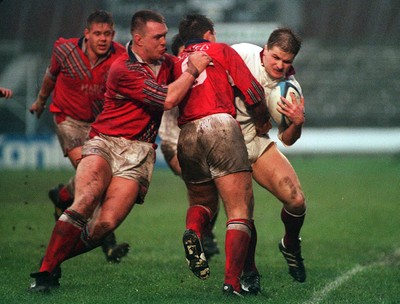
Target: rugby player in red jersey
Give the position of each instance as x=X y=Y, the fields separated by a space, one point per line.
x=76 y=76
x=212 y=152
x=117 y=161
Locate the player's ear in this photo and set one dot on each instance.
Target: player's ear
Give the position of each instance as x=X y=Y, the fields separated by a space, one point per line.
x=209 y=35
x=137 y=39
x=86 y=33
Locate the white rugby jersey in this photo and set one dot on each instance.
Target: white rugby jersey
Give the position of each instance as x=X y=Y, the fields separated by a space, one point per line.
x=251 y=54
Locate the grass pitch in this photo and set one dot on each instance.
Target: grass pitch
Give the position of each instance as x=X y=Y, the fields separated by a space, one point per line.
x=350 y=241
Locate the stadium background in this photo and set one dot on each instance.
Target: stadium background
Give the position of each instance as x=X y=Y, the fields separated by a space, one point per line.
x=347 y=66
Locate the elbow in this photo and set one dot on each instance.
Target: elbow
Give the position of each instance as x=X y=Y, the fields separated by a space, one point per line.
x=168 y=105
x=289 y=141
x=171 y=101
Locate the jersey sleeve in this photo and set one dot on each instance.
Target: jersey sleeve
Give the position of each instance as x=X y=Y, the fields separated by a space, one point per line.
x=55 y=65
x=243 y=79
x=136 y=84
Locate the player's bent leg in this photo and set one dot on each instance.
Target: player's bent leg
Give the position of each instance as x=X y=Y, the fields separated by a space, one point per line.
x=197 y=218
x=118 y=201
x=203 y=202
x=274 y=172
x=110 y=215
x=194 y=254
x=198 y=194
x=92 y=177
x=204 y=194
x=94 y=191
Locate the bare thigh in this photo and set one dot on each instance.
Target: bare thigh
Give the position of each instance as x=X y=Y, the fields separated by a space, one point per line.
x=75 y=155
x=93 y=175
x=273 y=171
x=237 y=194
x=118 y=201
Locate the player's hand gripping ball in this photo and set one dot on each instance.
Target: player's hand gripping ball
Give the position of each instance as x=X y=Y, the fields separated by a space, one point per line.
x=284 y=88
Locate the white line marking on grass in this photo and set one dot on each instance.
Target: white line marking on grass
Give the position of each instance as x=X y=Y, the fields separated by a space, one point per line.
x=321 y=295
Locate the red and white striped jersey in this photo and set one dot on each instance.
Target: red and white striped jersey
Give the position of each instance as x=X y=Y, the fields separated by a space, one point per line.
x=134 y=100
x=80 y=87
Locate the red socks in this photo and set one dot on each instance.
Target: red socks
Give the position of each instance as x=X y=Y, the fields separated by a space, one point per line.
x=237 y=240
x=198 y=219
x=65 y=235
x=293 y=224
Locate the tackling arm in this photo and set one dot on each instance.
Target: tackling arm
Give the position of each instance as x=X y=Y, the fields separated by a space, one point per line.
x=177 y=90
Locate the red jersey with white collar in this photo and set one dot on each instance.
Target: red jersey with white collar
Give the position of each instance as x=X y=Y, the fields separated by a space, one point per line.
x=134 y=100
x=212 y=92
x=80 y=87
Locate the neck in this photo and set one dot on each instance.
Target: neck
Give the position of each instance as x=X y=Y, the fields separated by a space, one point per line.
x=93 y=57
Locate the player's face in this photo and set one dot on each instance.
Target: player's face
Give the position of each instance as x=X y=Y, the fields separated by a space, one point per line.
x=154 y=41
x=99 y=38
x=277 y=62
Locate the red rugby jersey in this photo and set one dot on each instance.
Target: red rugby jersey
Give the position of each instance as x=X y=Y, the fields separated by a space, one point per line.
x=134 y=100
x=79 y=90
x=212 y=91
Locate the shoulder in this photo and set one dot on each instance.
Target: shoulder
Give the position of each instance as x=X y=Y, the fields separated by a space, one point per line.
x=221 y=51
x=119 y=63
x=247 y=48
x=66 y=41
x=220 y=46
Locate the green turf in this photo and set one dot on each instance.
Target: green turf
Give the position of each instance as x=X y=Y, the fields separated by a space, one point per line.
x=350 y=241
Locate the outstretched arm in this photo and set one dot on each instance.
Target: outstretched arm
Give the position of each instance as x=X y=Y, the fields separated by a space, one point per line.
x=40 y=103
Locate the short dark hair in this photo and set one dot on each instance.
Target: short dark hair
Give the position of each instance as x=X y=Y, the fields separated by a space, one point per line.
x=176 y=44
x=285 y=39
x=194 y=26
x=140 y=18
x=99 y=16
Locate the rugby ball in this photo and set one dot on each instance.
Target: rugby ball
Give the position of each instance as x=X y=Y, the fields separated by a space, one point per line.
x=284 y=88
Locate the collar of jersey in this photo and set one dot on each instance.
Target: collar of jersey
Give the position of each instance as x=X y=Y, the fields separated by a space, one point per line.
x=195 y=41
x=131 y=55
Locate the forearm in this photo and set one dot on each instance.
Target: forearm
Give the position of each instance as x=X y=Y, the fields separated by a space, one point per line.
x=197 y=62
x=178 y=89
x=291 y=134
x=40 y=103
x=46 y=88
